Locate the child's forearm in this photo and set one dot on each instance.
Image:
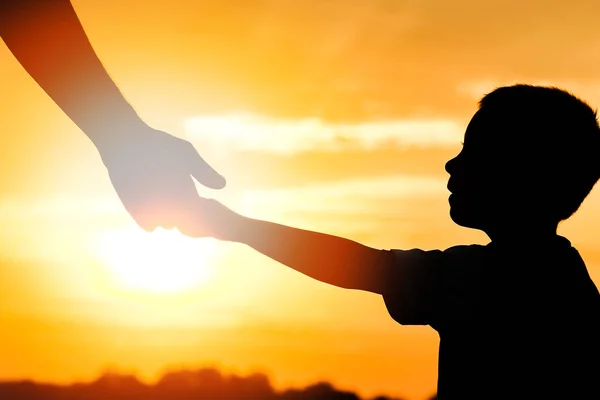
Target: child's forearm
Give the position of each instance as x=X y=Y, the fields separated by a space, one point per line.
x=330 y=259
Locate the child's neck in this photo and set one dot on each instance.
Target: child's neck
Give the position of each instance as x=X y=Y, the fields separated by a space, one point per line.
x=522 y=234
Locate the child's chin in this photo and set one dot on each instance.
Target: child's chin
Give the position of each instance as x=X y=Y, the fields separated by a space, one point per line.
x=463 y=218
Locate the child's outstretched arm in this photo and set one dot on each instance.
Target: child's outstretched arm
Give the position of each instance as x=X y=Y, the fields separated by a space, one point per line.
x=327 y=258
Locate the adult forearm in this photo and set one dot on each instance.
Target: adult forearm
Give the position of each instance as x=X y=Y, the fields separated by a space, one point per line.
x=48 y=40
x=327 y=258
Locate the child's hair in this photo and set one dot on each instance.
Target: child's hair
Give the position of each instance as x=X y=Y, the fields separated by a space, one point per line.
x=558 y=135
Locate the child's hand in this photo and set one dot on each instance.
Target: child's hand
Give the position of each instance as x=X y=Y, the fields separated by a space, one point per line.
x=212 y=219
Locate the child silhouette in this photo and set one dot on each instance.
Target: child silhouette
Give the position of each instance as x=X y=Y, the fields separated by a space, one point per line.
x=518 y=317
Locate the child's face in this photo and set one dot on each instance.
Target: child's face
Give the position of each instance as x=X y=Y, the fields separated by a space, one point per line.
x=480 y=191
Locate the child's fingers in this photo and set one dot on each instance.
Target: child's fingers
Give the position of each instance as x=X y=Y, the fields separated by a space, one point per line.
x=202 y=221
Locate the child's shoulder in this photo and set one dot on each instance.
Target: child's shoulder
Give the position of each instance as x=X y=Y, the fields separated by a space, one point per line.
x=462 y=250
x=465 y=251
x=464 y=255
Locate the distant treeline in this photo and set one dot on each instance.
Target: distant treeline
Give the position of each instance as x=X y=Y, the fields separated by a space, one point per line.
x=205 y=383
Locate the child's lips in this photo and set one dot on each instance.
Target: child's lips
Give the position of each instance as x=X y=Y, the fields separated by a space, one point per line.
x=453 y=197
x=453 y=186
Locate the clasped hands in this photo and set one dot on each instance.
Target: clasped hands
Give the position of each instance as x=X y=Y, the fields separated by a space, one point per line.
x=153 y=174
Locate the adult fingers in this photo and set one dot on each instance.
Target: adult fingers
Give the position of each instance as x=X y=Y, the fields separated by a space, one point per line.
x=137 y=202
x=202 y=171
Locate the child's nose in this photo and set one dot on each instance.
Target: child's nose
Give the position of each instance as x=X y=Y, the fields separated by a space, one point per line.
x=450 y=165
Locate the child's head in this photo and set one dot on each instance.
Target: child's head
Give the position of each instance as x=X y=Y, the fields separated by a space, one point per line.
x=531 y=155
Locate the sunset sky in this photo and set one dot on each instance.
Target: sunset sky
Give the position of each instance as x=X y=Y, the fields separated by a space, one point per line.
x=336 y=116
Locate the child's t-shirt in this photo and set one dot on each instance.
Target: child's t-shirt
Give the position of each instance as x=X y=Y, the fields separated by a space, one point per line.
x=514 y=320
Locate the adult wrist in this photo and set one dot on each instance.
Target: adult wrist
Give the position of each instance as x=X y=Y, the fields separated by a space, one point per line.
x=109 y=134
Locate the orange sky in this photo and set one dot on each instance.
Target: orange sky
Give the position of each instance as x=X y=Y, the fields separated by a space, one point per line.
x=335 y=116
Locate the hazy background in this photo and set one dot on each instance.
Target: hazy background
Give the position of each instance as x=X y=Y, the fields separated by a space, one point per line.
x=333 y=115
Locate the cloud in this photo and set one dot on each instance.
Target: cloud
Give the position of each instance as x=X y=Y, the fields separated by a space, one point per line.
x=338 y=196
x=57 y=206
x=248 y=132
x=346 y=60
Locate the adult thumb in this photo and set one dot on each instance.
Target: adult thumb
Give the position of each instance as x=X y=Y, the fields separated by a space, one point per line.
x=203 y=172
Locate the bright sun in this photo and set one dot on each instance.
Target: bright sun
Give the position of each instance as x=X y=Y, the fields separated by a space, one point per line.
x=160 y=261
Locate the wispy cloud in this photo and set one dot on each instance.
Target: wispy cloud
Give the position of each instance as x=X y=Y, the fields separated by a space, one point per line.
x=340 y=60
x=248 y=132
x=57 y=206
x=396 y=187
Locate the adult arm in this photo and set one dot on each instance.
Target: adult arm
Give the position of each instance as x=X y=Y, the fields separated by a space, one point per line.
x=150 y=170
x=47 y=39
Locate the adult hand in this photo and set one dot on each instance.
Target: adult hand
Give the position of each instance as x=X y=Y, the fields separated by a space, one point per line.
x=152 y=172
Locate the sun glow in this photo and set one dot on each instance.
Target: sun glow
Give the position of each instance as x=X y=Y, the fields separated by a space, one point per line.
x=160 y=261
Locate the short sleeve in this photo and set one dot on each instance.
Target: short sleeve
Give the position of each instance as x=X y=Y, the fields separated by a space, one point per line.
x=436 y=288
x=411 y=293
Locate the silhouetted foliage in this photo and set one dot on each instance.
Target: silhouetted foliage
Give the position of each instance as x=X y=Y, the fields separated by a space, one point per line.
x=200 y=384
x=319 y=391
